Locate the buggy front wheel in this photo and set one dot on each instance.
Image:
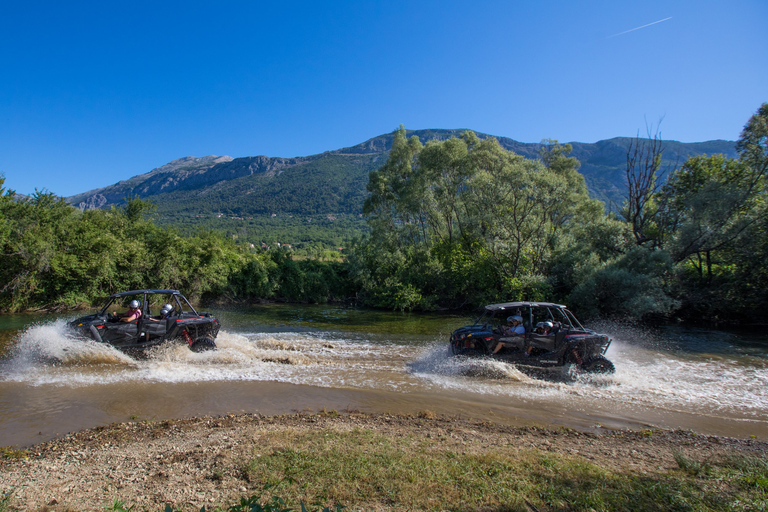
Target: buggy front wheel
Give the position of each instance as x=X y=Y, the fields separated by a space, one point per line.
x=203 y=344
x=598 y=364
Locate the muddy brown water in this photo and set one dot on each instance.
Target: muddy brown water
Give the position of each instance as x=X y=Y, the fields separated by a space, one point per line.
x=280 y=359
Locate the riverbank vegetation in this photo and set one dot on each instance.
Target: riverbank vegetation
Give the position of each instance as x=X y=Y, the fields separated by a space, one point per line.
x=454 y=224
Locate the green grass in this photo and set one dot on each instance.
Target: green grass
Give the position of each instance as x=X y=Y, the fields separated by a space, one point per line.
x=365 y=469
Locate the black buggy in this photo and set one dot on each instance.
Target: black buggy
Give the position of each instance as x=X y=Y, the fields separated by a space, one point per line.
x=178 y=321
x=553 y=337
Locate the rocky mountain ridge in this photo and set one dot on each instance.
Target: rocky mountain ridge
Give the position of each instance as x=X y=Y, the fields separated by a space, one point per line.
x=251 y=185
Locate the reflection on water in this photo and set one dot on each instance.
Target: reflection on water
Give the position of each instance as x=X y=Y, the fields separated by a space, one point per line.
x=701 y=380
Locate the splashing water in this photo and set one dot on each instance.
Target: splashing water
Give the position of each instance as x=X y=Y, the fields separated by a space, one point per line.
x=651 y=371
x=717 y=377
x=53 y=344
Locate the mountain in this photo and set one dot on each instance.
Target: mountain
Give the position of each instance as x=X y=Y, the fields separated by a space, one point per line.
x=192 y=191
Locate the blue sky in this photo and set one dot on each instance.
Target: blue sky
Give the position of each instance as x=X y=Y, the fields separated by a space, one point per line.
x=95 y=92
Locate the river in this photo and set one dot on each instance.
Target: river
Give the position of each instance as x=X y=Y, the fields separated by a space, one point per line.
x=275 y=359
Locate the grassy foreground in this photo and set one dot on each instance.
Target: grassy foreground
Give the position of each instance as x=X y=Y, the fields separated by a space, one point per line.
x=371 y=471
x=364 y=470
x=376 y=463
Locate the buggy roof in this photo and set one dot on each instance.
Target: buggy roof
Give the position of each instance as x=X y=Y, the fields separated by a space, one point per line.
x=142 y=292
x=514 y=305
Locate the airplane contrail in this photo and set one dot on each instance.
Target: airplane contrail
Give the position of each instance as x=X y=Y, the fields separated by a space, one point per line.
x=638 y=28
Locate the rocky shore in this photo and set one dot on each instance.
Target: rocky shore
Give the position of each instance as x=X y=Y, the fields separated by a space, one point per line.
x=191 y=463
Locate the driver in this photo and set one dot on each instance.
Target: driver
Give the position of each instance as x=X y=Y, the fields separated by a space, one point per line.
x=514 y=328
x=133 y=312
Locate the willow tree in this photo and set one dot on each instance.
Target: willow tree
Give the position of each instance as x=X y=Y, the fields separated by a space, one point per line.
x=464 y=219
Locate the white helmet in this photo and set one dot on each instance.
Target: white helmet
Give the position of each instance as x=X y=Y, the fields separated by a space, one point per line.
x=135 y=304
x=515 y=318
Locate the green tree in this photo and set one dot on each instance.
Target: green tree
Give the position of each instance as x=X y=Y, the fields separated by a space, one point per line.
x=714 y=222
x=707 y=204
x=462 y=221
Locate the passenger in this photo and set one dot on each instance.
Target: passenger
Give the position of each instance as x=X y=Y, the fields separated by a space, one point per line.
x=133 y=313
x=542 y=329
x=164 y=312
x=514 y=328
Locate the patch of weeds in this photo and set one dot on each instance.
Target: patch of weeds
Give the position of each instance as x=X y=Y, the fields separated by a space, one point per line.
x=690 y=466
x=8 y=452
x=217 y=474
x=5 y=499
x=119 y=506
x=273 y=504
x=251 y=504
x=748 y=472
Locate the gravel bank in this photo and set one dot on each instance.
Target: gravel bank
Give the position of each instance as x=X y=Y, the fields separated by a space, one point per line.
x=198 y=462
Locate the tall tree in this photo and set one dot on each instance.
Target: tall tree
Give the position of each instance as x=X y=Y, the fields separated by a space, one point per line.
x=642 y=173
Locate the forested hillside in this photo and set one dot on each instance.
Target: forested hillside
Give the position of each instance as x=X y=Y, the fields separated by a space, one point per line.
x=316 y=201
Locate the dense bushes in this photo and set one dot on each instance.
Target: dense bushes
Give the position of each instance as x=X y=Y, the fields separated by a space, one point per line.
x=57 y=257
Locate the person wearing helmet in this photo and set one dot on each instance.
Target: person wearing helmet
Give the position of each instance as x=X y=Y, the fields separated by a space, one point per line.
x=133 y=312
x=544 y=328
x=166 y=310
x=514 y=328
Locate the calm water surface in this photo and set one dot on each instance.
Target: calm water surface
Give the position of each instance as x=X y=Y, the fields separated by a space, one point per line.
x=275 y=358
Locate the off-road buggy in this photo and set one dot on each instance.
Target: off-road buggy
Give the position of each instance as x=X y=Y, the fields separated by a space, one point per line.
x=181 y=323
x=568 y=342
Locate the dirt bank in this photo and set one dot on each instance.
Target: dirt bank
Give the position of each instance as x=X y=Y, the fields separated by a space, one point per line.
x=195 y=462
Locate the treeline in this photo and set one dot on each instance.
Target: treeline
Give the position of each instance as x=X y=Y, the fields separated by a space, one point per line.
x=453 y=224
x=464 y=222
x=56 y=257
